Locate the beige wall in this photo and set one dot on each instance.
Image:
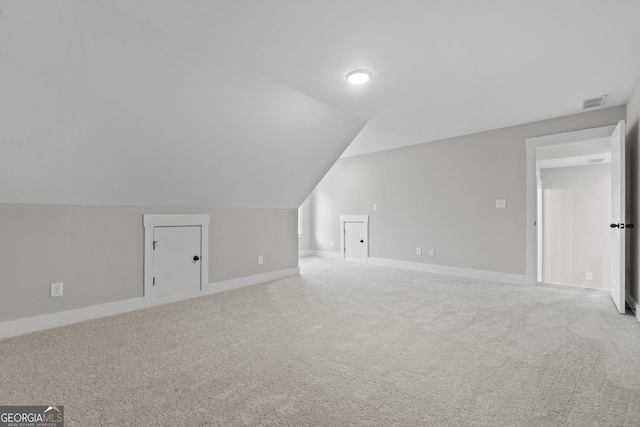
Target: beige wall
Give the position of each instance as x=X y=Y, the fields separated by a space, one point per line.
x=97 y=251
x=633 y=201
x=577 y=239
x=441 y=195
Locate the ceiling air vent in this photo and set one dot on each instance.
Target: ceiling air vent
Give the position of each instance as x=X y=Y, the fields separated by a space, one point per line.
x=594 y=102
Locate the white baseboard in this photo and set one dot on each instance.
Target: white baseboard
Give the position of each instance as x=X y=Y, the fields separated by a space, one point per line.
x=306 y=253
x=62 y=318
x=241 y=282
x=53 y=320
x=634 y=305
x=324 y=254
x=515 y=279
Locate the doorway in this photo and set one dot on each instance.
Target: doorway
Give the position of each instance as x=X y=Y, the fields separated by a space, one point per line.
x=574 y=201
x=616 y=134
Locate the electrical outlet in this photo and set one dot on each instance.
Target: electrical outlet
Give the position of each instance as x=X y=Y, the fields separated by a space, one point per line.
x=375 y=206
x=418 y=251
x=501 y=203
x=589 y=276
x=432 y=252
x=260 y=260
x=331 y=243
x=56 y=290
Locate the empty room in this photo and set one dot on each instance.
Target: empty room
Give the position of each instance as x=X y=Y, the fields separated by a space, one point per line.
x=319 y=213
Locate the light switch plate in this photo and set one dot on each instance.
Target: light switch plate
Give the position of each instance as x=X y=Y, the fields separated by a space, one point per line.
x=501 y=203
x=418 y=251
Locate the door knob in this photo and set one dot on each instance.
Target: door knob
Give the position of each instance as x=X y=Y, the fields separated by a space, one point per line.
x=614 y=225
x=196 y=258
x=629 y=225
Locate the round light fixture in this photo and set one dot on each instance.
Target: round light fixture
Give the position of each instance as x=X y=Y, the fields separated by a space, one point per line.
x=358 y=77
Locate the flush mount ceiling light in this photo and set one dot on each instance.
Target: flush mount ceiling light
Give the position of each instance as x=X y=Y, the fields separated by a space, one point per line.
x=358 y=77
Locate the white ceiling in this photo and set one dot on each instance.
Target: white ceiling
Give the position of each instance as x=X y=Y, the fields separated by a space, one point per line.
x=441 y=68
x=97 y=108
x=244 y=102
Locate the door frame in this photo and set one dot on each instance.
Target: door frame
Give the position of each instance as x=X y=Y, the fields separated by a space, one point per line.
x=355 y=218
x=149 y=221
x=531 y=145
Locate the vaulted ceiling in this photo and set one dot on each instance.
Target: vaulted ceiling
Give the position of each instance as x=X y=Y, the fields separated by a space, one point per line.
x=244 y=103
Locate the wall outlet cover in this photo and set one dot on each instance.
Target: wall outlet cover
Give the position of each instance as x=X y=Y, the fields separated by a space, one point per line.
x=56 y=290
x=589 y=276
x=260 y=260
x=501 y=203
x=432 y=252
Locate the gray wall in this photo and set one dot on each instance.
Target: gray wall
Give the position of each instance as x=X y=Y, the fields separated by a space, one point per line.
x=97 y=251
x=577 y=240
x=633 y=201
x=441 y=195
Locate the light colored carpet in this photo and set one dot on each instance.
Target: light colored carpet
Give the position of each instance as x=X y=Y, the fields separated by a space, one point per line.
x=345 y=344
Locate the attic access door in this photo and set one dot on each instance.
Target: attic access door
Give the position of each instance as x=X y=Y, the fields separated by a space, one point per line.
x=179 y=239
x=176 y=261
x=355 y=237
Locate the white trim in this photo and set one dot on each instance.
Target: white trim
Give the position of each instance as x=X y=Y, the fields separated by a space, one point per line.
x=566 y=138
x=493 y=276
x=531 y=145
x=325 y=254
x=634 y=305
x=227 y=285
x=62 y=318
x=564 y=162
x=174 y=220
x=355 y=218
x=306 y=253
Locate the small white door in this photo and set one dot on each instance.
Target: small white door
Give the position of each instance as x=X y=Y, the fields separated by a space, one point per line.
x=176 y=261
x=355 y=240
x=618 y=219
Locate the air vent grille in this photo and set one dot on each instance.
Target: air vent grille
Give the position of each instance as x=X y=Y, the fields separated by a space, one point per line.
x=594 y=102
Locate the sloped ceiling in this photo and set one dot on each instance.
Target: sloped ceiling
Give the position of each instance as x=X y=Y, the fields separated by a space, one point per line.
x=441 y=68
x=244 y=103
x=97 y=107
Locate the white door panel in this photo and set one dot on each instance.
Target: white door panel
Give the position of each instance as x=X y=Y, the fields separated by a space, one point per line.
x=176 y=262
x=354 y=240
x=618 y=219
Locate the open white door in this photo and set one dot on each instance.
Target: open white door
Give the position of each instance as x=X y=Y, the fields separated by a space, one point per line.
x=618 y=220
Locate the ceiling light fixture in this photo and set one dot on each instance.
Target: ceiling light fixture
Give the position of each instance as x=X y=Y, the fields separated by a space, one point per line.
x=358 y=77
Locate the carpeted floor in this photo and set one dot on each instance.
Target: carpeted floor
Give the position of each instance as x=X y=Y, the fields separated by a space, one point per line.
x=344 y=344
